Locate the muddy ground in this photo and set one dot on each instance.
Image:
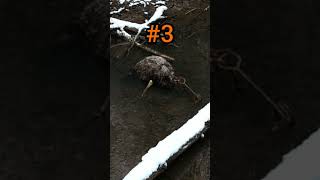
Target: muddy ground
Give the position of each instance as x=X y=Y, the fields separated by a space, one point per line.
x=279 y=44
x=138 y=124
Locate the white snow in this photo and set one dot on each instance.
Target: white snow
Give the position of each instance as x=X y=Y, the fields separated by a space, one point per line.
x=117 y=23
x=302 y=163
x=133 y=4
x=121 y=24
x=158 y=155
x=140 y=2
x=117 y=11
x=157 y=14
x=161 y=2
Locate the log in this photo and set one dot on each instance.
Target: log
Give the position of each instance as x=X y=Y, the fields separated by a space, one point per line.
x=181 y=150
x=167 y=150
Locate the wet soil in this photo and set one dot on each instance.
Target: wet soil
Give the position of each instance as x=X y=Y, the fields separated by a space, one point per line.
x=51 y=86
x=137 y=124
x=278 y=42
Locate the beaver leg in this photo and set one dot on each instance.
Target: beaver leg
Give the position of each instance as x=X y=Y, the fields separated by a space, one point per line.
x=146 y=89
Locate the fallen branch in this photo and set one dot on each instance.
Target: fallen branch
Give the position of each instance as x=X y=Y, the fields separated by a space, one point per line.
x=145 y=48
x=181 y=150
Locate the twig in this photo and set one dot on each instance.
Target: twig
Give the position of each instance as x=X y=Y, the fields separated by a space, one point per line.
x=190 y=11
x=145 y=48
x=191 y=35
x=154 y=51
x=119 y=44
x=133 y=42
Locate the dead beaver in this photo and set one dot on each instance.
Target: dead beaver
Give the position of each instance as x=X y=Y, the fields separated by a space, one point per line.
x=156 y=69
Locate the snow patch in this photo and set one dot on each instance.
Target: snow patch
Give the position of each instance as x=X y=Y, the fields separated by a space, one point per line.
x=117 y=11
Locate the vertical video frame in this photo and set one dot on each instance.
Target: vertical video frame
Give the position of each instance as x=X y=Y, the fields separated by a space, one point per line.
x=159 y=89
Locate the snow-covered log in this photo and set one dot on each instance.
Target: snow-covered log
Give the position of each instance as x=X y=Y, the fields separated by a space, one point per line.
x=155 y=161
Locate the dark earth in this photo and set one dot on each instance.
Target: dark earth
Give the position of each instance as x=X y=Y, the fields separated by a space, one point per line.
x=278 y=41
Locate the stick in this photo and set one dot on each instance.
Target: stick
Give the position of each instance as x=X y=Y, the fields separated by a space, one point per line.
x=191 y=35
x=143 y=47
x=191 y=11
x=119 y=44
x=154 y=51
